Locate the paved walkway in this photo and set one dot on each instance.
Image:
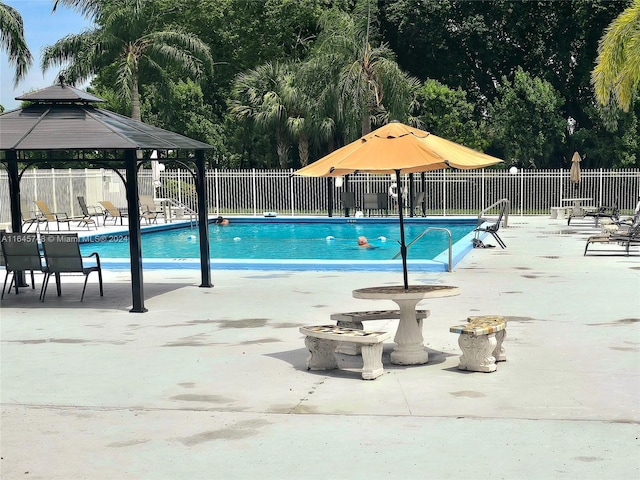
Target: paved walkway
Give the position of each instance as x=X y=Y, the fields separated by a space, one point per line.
x=212 y=384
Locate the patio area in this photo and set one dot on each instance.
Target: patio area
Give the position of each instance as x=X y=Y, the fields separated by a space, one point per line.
x=212 y=382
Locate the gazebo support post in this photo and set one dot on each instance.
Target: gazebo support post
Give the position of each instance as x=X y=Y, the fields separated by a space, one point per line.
x=203 y=220
x=411 y=195
x=14 y=202
x=330 y=184
x=135 y=238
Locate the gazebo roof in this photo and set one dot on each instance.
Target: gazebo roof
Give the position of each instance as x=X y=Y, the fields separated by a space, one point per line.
x=63 y=120
x=60 y=93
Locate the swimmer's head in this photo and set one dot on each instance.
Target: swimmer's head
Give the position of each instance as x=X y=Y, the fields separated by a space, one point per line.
x=362 y=240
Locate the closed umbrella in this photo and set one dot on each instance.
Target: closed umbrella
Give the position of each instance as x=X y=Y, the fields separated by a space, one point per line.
x=396 y=148
x=156 y=168
x=574 y=173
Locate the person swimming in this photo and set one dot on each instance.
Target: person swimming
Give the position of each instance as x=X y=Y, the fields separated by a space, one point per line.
x=221 y=221
x=363 y=242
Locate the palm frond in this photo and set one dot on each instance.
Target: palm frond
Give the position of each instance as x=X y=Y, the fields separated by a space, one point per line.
x=13 y=42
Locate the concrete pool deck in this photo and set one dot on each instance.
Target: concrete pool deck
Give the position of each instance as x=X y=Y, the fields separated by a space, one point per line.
x=212 y=383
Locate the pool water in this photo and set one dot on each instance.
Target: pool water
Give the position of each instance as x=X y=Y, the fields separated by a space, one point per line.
x=326 y=240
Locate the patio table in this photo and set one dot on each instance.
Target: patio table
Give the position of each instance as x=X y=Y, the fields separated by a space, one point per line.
x=410 y=349
x=577 y=204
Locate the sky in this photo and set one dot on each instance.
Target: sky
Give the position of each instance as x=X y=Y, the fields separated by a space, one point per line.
x=41 y=28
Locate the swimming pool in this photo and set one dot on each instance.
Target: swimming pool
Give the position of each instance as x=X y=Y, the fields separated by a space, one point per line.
x=293 y=243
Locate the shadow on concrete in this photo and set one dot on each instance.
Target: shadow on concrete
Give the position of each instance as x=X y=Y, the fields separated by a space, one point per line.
x=117 y=296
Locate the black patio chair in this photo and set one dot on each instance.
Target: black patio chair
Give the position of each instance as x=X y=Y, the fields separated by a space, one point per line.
x=492 y=228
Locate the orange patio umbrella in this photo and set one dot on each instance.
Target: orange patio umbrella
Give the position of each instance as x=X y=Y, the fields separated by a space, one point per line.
x=397 y=148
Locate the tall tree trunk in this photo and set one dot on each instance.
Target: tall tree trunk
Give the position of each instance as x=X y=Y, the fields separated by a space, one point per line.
x=303 y=149
x=135 y=100
x=366 y=123
x=283 y=149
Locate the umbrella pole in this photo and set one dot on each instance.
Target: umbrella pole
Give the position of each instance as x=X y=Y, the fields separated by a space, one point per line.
x=403 y=245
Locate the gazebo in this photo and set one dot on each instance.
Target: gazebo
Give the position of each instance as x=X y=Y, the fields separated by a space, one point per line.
x=62 y=118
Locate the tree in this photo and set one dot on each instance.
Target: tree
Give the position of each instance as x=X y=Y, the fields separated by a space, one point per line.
x=130 y=35
x=267 y=96
x=12 y=41
x=447 y=113
x=616 y=76
x=372 y=85
x=525 y=120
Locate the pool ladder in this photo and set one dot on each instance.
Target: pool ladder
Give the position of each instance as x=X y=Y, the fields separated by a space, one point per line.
x=450 y=267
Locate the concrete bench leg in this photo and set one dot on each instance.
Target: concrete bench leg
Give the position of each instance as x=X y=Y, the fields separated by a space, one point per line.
x=321 y=354
x=347 y=348
x=372 y=357
x=477 y=352
x=499 y=353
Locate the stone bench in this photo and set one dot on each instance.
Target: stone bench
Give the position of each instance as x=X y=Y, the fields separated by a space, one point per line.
x=355 y=319
x=481 y=343
x=322 y=341
x=559 y=212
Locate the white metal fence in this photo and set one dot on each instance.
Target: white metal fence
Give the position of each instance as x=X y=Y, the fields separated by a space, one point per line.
x=252 y=192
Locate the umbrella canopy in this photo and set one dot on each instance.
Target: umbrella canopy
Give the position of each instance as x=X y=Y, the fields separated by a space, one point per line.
x=575 y=168
x=397 y=148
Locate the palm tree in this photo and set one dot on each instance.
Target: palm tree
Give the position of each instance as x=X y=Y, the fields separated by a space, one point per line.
x=616 y=76
x=270 y=97
x=127 y=37
x=12 y=41
x=372 y=85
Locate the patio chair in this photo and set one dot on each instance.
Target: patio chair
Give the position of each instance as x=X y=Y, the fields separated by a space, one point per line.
x=54 y=217
x=31 y=217
x=418 y=203
x=90 y=211
x=376 y=201
x=62 y=255
x=348 y=200
x=111 y=211
x=20 y=253
x=148 y=210
x=492 y=228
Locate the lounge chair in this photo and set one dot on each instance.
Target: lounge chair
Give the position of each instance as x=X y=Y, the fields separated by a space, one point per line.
x=148 y=210
x=626 y=239
x=111 y=211
x=31 y=217
x=610 y=212
x=54 y=217
x=376 y=201
x=20 y=253
x=492 y=228
x=88 y=212
x=62 y=255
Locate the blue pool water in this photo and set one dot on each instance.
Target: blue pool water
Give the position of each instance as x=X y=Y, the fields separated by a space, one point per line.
x=290 y=240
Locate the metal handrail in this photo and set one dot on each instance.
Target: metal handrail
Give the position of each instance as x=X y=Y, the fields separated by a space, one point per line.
x=422 y=235
x=507 y=208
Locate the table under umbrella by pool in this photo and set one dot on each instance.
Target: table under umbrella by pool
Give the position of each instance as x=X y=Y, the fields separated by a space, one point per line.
x=410 y=349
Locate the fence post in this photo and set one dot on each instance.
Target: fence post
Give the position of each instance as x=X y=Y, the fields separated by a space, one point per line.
x=254 y=191
x=521 y=192
x=444 y=192
x=216 y=183
x=293 y=213
x=601 y=187
x=482 y=190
